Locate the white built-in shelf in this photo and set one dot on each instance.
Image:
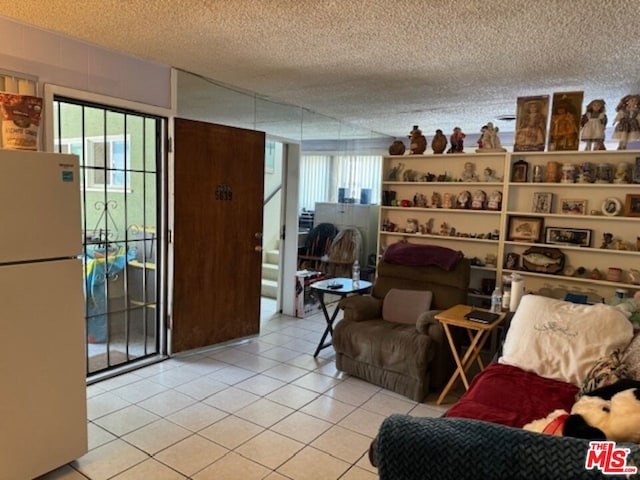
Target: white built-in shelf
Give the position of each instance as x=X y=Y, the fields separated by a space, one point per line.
x=440 y=237
x=573 y=279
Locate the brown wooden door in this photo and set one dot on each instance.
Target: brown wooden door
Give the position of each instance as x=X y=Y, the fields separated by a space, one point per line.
x=219 y=175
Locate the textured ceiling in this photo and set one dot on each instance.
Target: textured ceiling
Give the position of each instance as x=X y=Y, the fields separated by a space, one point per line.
x=382 y=65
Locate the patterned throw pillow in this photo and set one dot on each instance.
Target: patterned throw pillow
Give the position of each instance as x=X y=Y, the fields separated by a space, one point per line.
x=631 y=357
x=605 y=371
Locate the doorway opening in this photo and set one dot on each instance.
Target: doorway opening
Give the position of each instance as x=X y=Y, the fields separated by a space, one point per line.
x=270 y=291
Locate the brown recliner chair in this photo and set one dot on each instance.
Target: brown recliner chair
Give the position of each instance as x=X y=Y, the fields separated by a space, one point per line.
x=405 y=358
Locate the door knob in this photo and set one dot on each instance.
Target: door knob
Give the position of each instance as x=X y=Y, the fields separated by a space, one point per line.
x=258 y=235
x=257 y=248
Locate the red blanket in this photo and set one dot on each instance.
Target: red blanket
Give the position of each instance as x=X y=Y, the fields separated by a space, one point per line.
x=510 y=396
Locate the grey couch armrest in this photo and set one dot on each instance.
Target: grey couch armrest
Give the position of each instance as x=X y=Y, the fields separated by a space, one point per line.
x=412 y=448
x=429 y=325
x=358 y=308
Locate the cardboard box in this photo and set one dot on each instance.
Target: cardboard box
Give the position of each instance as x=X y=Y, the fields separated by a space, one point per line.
x=305 y=303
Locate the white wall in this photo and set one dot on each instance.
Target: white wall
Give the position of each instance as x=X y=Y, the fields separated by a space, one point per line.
x=290 y=263
x=61 y=60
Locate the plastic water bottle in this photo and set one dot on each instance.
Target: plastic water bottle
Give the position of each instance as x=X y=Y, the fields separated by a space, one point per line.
x=496 y=300
x=355 y=274
x=506 y=300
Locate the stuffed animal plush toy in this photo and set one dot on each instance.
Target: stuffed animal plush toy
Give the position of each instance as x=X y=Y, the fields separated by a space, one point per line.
x=607 y=413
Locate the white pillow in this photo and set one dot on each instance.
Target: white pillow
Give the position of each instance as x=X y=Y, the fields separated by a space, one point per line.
x=563 y=340
x=405 y=306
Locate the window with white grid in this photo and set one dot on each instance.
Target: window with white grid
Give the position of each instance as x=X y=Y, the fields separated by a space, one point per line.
x=321 y=176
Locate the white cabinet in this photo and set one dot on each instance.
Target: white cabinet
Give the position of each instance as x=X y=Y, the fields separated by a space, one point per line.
x=414 y=184
x=363 y=217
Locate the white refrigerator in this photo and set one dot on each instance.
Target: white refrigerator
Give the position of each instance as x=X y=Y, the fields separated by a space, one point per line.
x=43 y=409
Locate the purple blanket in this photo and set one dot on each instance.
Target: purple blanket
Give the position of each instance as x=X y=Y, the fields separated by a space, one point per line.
x=421 y=255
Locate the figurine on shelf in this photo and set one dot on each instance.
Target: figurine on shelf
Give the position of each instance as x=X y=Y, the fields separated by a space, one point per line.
x=457 y=141
x=439 y=142
x=444 y=229
x=412 y=226
x=429 y=226
x=410 y=175
x=593 y=124
x=397 y=148
x=489 y=140
x=607 y=240
x=620 y=244
x=418 y=141
x=436 y=200
x=495 y=200
x=394 y=173
x=622 y=173
x=463 y=200
x=481 y=138
x=627 y=128
x=447 y=200
x=491 y=260
x=419 y=200
x=469 y=172
x=490 y=175
x=479 y=199
x=595 y=274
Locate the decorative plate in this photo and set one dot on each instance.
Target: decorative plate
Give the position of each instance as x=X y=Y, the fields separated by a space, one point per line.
x=543 y=260
x=611 y=207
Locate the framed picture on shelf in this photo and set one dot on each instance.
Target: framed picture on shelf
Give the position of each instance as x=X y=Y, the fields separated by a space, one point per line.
x=571 y=206
x=565 y=121
x=520 y=171
x=632 y=205
x=525 y=229
x=542 y=202
x=512 y=261
x=531 y=124
x=577 y=237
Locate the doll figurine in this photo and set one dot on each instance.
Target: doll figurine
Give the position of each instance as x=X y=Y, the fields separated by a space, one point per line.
x=469 y=172
x=457 y=141
x=489 y=140
x=622 y=173
x=593 y=123
x=627 y=128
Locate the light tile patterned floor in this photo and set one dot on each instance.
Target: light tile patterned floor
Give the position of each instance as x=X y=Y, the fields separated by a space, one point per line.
x=262 y=409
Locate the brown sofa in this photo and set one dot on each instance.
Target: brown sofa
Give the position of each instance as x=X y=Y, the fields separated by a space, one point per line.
x=405 y=358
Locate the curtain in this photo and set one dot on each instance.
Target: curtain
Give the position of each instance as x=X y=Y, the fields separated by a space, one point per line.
x=358 y=172
x=322 y=175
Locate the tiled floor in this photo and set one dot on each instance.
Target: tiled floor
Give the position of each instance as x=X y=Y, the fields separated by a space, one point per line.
x=263 y=409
